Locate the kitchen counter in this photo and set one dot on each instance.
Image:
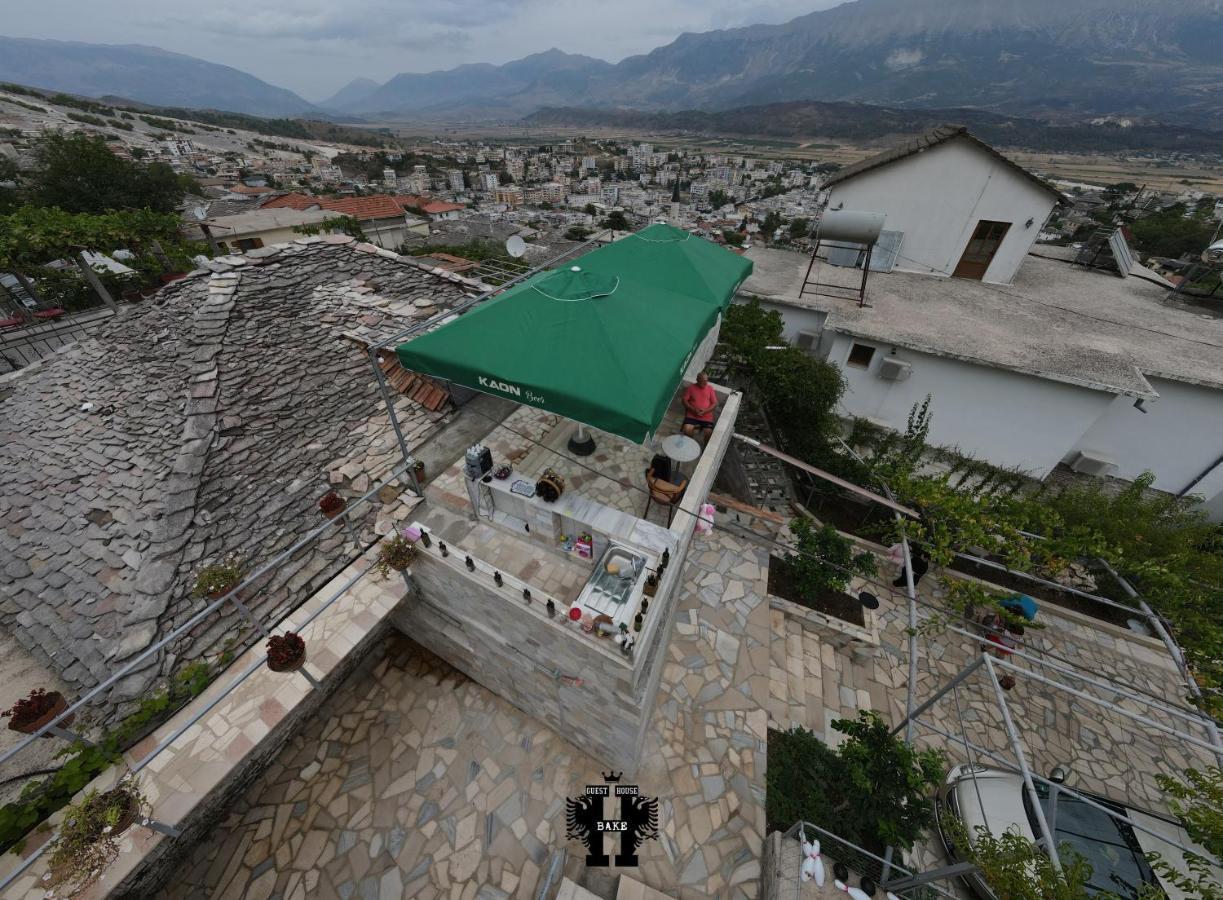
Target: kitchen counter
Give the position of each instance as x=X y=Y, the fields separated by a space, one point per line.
x=573 y=512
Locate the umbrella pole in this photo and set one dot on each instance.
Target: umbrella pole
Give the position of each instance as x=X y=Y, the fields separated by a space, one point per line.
x=581 y=444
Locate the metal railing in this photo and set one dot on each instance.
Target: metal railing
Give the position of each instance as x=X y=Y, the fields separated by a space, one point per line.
x=865 y=863
x=215 y=608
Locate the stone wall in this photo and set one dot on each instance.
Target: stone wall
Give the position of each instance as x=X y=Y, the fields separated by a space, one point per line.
x=517 y=651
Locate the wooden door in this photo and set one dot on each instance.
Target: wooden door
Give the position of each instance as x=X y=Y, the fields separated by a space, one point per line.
x=982 y=246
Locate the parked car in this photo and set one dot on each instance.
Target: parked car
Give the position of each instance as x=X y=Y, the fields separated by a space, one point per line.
x=1116 y=850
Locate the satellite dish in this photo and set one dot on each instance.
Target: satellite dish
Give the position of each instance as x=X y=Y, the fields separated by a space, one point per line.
x=515 y=246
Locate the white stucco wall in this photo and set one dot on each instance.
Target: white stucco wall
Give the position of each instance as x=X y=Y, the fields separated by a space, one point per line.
x=794 y=318
x=936 y=198
x=1006 y=418
x=1178 y=438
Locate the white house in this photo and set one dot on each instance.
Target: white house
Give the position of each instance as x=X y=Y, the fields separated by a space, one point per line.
x=955 y=205
x=1066 y=366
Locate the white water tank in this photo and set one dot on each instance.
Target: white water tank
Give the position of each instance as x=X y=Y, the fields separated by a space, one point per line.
x=851 y=226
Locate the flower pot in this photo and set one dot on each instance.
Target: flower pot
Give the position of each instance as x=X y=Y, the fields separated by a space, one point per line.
x=291 y=666
x=31 y=727
x=419 y=469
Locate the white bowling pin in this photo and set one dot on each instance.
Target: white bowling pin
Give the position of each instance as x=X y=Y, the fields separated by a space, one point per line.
x=807 y=870
x=819 y=871
x=854 y=892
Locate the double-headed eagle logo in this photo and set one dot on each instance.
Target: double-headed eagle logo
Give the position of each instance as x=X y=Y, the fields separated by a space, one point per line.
x=636 y=822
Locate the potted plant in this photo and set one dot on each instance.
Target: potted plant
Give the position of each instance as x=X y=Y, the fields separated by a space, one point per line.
x=417 y=467
x=395 y=553
x=286 y=652
x=818 y=573
x=332 y=504
x=218 y=579
x=33 y=712
x=88 y=839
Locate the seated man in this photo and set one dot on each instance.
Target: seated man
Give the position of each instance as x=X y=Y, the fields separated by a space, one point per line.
x=700 y=401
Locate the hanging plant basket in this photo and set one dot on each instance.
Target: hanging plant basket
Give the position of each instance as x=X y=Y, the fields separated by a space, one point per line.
x=88 y=841
x=332 y=504
x=286 y=652
x=395 y=554
x=38 y=709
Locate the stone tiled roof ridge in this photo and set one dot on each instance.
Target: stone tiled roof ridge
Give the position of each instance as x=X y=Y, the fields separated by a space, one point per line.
x=277 y=252
x=141 y=453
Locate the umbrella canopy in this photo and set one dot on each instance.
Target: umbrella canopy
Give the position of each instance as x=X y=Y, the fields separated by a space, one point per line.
x=604 y=340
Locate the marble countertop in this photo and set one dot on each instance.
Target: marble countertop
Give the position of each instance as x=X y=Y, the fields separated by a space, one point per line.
x=617 y=525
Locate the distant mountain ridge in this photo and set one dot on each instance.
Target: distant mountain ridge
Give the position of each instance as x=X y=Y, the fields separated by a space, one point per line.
x=146 y=74
x=863 y=123
x=1055 y=58
x=549 y=77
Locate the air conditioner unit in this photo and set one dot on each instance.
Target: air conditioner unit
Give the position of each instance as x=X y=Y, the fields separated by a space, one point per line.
x=1092 y=464
x=893 y=369
x=807 y=341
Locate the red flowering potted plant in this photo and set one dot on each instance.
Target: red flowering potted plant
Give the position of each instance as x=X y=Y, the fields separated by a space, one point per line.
x=286 y=652
x=332 y=504
x=394 y=554
x=33 y=712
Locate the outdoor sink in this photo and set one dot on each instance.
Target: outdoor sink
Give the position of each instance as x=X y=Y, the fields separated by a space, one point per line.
x=609 y=593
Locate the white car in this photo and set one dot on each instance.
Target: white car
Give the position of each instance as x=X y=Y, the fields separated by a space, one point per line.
x=1115 y=850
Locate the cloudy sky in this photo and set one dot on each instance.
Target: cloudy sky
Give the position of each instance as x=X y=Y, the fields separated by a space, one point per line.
x=316 y=46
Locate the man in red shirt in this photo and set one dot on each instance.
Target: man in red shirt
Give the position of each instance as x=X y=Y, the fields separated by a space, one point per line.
x=700 y=401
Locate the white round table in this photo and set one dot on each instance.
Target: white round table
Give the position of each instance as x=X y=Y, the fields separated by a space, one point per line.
x=680 y=449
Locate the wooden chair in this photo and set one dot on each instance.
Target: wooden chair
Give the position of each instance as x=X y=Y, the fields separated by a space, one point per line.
x=663 y=492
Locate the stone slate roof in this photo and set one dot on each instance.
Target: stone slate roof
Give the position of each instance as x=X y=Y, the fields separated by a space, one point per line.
x=206 y=421
x=940 y=135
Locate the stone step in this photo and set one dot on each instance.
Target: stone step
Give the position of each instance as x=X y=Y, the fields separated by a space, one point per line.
x=571 y=890
x=631 y=889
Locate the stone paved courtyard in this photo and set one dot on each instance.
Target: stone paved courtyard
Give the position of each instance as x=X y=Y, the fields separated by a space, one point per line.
x=811 y=685
x=417 y=782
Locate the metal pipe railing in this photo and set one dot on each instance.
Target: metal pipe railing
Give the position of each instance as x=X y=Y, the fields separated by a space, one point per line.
x=230 y=598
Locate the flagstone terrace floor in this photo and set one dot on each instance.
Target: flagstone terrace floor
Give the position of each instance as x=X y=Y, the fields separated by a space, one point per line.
x=417 y=782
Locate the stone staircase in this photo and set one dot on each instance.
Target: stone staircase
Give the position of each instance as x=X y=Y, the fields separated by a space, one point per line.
x=811 y=683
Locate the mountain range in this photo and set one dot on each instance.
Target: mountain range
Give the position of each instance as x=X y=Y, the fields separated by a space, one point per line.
x=1051 y=59
x=1047 y=58
x=145 y=74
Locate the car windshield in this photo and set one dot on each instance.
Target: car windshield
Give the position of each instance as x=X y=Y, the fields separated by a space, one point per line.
x=1109 y=846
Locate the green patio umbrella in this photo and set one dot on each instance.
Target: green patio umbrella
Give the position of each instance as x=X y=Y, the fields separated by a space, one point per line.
x=604 y=340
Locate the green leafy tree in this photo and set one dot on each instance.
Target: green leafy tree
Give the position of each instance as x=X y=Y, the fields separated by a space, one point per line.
x=1015 y=868
x=874 y=789
x=717 y=198
x=577 y=233
x=590 y=209
x=799 y=393
x=798 y=227
x=1198 y=802
x=771 y=223
x=824 y=560
x=1169 y=233
x=80 y=174
x=616 y=221
x=734 y=238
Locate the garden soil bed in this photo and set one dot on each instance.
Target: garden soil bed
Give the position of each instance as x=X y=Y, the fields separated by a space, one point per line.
x=1038 y=591
x=836 y=604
